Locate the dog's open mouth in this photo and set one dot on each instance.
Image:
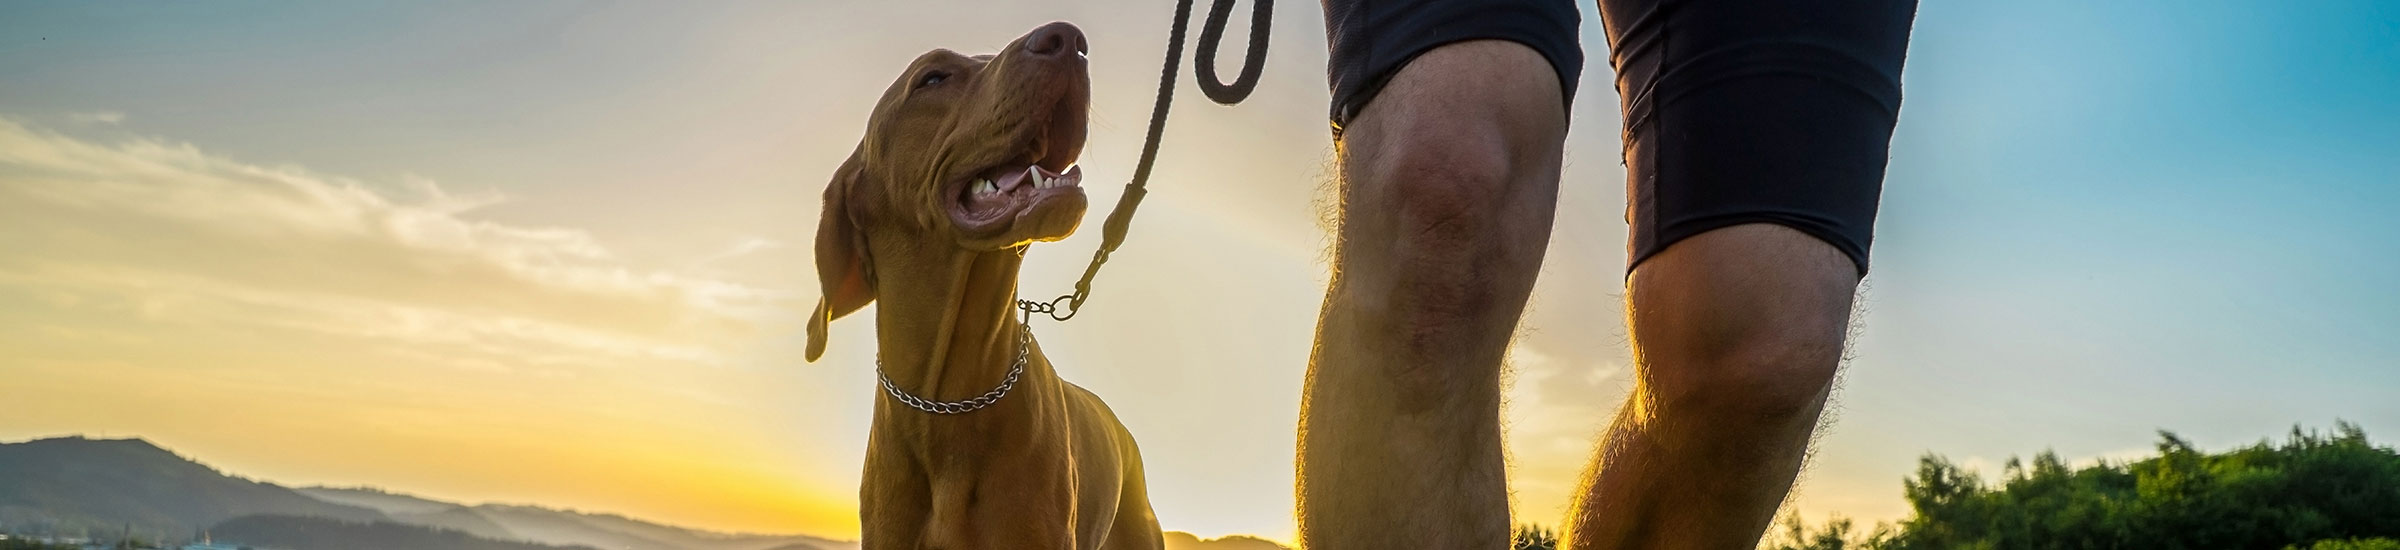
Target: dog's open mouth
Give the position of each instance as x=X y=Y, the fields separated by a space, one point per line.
x=1033 y=192
x=1011 y=204
x=1004 y=190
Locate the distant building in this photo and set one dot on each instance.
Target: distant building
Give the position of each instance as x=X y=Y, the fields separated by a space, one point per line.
x=208 y=542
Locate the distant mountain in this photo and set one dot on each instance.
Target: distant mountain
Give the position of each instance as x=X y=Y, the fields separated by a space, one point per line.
x=390 y=503
x=104 y=487
x=559 y=527
x=1178 y=540
x=665 y=536
x=313 y=533
x=73 y=485
x=418 y=511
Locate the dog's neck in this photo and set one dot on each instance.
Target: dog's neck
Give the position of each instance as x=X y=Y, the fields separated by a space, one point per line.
x=945 y=329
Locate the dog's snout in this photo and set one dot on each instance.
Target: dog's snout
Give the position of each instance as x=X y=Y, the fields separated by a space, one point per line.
x=1059 y=39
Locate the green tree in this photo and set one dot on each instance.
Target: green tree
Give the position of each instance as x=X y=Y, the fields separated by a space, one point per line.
x=2351 y=544
x=2323 y=489
x=1533 y=537
x=27 y=544
x=1837 y=534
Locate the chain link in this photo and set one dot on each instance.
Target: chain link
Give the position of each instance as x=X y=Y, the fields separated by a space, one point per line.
x=1024 y=347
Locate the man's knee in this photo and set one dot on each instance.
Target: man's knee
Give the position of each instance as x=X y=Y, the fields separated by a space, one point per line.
x=1760 y=379
x=1742 y=323
x=1453 y=139
x=1450 y=185
x=1439 y=193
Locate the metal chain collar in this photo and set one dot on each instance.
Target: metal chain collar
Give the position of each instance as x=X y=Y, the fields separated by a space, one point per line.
x=1024 y=344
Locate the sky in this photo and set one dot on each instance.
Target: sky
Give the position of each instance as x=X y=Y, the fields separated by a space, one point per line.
x=559 y=253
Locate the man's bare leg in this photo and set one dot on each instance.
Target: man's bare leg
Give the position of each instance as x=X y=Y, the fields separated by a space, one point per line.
x=1736 y=335
x=1450 y=184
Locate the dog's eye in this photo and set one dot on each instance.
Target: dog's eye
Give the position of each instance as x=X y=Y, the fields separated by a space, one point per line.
x=932 y=78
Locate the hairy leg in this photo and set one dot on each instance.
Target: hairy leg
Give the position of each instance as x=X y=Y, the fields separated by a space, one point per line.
x=1736 y=335
x=1450 y=182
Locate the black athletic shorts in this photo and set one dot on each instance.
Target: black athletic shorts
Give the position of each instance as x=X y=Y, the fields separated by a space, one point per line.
x=1736 y=111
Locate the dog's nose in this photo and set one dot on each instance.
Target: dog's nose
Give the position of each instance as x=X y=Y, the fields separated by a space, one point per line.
x=1058 y=39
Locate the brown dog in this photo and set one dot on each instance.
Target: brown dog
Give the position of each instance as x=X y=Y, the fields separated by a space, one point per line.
x=977 y=443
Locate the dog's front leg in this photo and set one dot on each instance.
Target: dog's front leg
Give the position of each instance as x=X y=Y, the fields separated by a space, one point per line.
x=893 y=501
x=1017 y=510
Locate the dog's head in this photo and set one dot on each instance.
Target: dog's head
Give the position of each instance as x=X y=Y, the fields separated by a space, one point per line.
x=972 y=153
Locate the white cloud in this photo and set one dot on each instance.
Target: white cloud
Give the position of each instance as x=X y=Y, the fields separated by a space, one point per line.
x=191 y=237
x=96 y=117
x=744 y=247
x=1556 y=405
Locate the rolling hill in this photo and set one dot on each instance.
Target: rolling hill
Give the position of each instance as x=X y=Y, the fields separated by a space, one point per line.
x=416 y=511
x=560 y=527
x=314 y=533
x=115 y=486
x=1186 y=541
x=106 y=488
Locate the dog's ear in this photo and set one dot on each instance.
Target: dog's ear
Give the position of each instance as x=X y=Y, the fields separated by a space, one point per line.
x=843 y=268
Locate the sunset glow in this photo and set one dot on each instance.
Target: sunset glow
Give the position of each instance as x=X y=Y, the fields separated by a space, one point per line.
x=561 y=254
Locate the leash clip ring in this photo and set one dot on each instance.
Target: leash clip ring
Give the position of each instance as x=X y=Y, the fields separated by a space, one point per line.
x=1049 y=308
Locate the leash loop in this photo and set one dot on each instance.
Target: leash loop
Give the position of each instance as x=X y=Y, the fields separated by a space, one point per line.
x=1212 y=33
x=1254 y=61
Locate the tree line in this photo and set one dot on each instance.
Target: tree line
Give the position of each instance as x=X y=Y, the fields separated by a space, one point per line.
x=2311 y=491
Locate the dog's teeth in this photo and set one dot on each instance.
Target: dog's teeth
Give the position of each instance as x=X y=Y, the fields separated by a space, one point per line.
x=985 y=187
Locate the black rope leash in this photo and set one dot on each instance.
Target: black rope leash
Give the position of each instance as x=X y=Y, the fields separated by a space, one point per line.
x=1212 y=33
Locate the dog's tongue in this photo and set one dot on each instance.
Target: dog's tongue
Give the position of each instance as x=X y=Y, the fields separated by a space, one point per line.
x=1008 y=180
x=1003 y=188
x=1013 y=181
x=1073 y=176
